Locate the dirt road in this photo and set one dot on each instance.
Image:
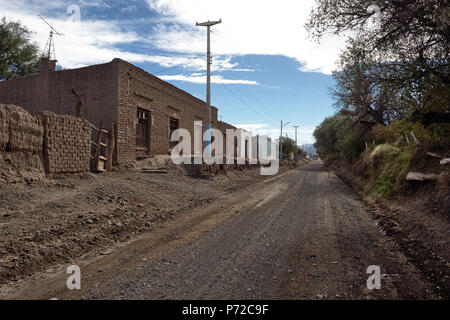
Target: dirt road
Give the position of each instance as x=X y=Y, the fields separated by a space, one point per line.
x=301 y=235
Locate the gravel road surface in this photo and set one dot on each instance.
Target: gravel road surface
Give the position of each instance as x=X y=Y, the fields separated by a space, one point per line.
x=300 y=235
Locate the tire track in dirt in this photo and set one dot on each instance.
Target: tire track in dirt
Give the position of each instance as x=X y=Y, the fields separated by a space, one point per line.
x=303 y=235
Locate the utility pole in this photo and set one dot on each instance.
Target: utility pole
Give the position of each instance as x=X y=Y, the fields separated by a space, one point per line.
x=281 y=139
x=296 y=145
x=208 y=26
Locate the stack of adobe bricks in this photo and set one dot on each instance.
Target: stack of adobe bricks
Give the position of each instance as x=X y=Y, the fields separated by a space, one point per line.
x=21 y=137
x=19 y=130
x=67 y=143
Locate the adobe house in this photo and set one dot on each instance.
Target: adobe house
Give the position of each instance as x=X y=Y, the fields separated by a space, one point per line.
x=143 y=108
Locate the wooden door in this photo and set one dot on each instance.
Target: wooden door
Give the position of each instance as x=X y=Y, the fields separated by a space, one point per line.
x=142 y=129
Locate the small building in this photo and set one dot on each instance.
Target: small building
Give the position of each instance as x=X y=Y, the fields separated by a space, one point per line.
x=143 y=109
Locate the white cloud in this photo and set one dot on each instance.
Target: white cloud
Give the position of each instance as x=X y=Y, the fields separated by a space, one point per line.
x=91 y=3
x=84 y=42
x=198 y=78
x=254 y=128
x=195 y=63
x=87 y=42
x=249 y=27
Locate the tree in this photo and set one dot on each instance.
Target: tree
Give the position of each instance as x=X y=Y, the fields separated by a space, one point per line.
x=397 y=68
x=18 y=55
x=337 y=139
x=290 y=147
x=362 y=92
x=404 y=30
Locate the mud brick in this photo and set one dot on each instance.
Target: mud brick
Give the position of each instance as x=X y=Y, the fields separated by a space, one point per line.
x=112 y=93
x=69 y=135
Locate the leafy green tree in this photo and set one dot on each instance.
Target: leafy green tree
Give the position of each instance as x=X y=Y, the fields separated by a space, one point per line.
x=337 y=139
x=413 y=30
x=290 y=147
x=394 y=69
x=18 y=55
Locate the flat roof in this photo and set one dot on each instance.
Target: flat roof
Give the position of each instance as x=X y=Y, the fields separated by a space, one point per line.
x=160 y=80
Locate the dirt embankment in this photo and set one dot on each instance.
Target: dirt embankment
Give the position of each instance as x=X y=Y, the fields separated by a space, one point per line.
x=51 y=222
x=419 y=222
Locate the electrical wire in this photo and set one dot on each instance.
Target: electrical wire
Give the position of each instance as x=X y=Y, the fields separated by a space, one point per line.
x=189 y=45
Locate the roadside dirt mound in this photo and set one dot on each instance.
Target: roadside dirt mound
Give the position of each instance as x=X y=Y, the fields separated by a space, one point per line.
x=164 y=164
x=21 y=166
x=161 y=163
x=21 y=142
x=419 y=223
x=60 y=220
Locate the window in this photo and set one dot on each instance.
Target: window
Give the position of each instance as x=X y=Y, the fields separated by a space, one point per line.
x=173 y=125
x=142 y=128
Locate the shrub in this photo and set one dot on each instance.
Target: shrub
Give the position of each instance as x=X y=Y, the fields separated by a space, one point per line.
x=383 y=134
x=391 y=180
x=401 y=127
x=387 y=166
x=351 y=145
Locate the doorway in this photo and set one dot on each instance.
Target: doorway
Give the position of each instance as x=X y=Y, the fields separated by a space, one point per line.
x=142 y=129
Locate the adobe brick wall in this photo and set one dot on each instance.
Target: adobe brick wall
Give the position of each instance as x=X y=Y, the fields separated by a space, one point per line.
x=19 y=130
x=21 y=136
x=139 y=89
x=52 y=91
x=49 y=143
x=111 y=93
x=67 y=143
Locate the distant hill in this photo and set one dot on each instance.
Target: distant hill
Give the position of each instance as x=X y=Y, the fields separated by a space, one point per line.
x=308 y=148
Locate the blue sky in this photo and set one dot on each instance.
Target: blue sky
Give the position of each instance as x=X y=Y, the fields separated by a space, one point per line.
x=265 y=69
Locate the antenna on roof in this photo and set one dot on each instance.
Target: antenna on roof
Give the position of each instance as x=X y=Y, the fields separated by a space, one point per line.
x=49 y=50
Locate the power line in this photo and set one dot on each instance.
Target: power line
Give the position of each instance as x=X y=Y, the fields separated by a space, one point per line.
x=238 y=44
x=200 y=9
x=261 y=101
x=165 y=69
x=189 y=45
x=245 y=103
x=165 y=42
x=113 y=7
x=226 y=87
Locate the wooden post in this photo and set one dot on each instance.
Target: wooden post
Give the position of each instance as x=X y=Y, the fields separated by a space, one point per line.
x=111 y=143
x=116 y=139
x=97 y=151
